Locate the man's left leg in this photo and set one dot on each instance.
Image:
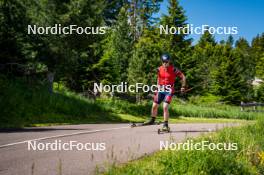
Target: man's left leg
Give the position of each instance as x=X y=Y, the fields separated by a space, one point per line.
x=165 y=115
x=166 y=104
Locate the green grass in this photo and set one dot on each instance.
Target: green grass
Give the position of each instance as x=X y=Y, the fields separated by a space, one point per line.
x=183 y=119
x=24 y=104
x=247 y=159
x=138 y=119
x=205 y=120
x=220 y=111
x=178 y=108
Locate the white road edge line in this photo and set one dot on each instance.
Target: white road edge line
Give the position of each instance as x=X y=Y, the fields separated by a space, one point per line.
x=62 y=135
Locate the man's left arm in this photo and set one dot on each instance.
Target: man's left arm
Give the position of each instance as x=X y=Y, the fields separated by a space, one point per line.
x=183 y=82
x=183 y=79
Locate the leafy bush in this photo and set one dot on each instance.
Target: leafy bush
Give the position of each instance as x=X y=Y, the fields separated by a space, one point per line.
x=260 y=93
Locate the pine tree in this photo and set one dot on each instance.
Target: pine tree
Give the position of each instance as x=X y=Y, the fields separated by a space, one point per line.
x=247 y=59
x=84 y=50
x=230 y=40
x=112 y=9
x=260 y=66
x=203 y=63
x=112 y=67
x=141 y=15
x=233 y=76
x=258 y=54
x=247 y=68
x=175 y=43
x=205 y=39
x=145 y=60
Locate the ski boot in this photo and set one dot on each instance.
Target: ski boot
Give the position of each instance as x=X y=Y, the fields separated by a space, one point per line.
x=164 y=129
x=150 y=122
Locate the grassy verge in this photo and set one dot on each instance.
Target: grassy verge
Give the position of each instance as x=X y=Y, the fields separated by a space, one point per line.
x=22 y=104
x=247 y=159
x=130 y=118
x=182 y=119
x=178 y=109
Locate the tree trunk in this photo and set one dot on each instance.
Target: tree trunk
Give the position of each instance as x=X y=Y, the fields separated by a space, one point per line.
x=50 y=77
x=138 y=98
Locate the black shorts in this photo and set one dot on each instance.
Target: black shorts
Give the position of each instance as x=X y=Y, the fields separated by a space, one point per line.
x=162 y=96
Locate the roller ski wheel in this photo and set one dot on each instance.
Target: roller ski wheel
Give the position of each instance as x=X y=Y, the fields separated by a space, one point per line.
x=164 y=130
x=132 y=125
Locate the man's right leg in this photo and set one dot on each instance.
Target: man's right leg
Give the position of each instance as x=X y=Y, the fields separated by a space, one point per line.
x=154 y=109
x=158 y=98
x=154 y=112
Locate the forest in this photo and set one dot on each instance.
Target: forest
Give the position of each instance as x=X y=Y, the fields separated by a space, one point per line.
x=129 y=51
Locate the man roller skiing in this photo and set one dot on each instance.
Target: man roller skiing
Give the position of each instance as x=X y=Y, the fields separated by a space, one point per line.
x=166 y=74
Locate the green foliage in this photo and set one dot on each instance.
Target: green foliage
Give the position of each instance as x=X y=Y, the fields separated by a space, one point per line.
x=15 y=45
x=200 y=107
x=258 y=54
x=33 y=104
x=176 y=44
x=202 y=63
x=260 y=92
x=205 y=99
x=233 y=78
x=129 y=51
x=23 y=105
x=259 y=66
x=145 y=60
x=222 y=70
x=112 y=67
x=206 y=39
x=111 y=11
x=141 y=16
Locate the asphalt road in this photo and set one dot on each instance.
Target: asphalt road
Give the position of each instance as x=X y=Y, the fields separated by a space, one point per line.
x=110 y=143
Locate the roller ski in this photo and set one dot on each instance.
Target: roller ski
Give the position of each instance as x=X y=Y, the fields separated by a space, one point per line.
x=147 y=123
x=164 y=129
